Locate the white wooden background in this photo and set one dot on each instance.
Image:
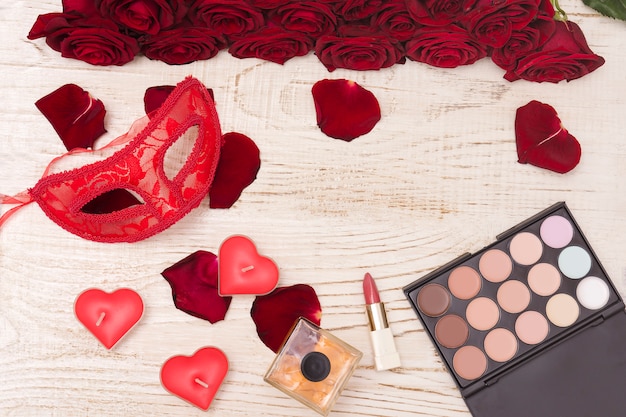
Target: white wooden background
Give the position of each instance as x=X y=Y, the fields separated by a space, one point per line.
x=437 y=177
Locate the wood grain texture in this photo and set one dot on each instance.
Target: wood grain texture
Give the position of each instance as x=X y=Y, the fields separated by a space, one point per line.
x=437 y=177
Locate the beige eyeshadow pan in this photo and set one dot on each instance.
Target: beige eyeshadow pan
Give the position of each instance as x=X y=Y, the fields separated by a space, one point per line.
x=464 y=282
x=495 y=265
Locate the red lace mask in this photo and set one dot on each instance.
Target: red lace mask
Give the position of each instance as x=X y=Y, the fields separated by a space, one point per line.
x=139 y=170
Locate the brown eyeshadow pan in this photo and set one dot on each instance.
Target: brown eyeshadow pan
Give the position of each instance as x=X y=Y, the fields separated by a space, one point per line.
x=489 y=313
x=433 y=300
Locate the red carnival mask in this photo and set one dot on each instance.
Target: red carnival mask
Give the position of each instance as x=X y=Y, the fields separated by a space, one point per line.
x=138 y=169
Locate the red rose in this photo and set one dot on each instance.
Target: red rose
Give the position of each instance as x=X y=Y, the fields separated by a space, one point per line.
x=395 y=21
x=269 y=4
x=143 y=16
x=231 y=18
x=85 y=8
x=352 y=10
x=54 y=27
x=565 y=56
x=272 y=44
x=101 y=43
x=493 y=22
x=523 y=42
x=438 y=12
x=445 y=47
x=310 y=17
x=183 y=45
x=358 y=48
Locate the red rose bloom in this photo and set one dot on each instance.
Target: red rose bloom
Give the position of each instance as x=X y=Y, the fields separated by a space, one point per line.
x=445 y=47
x=183 y=45
x=54 y=27
x=310 y=17
x=272 y=44
x=438 y=12
x=565 y=56
x=352 y=10
x=98 y=42
x=269 y=4
x=142 y=16
x=523 y=42
x=493 y=22
x=358 y=48
x=231 y=18
x=395 y=21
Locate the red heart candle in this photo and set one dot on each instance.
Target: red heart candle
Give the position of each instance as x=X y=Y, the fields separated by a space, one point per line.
x=195 y=378
x=108 y=316
x=242 y=270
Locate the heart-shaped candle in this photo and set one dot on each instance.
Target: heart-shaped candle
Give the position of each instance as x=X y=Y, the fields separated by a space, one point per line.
x=242 y=270
x=195 y=378
x=108 y=316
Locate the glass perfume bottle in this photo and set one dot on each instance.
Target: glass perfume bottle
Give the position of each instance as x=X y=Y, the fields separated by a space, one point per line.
x=313 y=366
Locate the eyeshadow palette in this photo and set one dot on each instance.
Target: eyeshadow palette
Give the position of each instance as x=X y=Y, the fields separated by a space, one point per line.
x=530 y=325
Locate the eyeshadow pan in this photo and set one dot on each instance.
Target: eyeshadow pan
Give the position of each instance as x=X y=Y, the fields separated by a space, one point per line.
x=556 y=232
x=593 y=293
x=469 y=362
x=482 y=313
x=451 y=331
x=526 y=248
x=464 y=282
x=531 y=327
x=495 y=265
x=500 y=345
x=433 y=300
x=574 y=262
x=562 y=310
x=513 y=296
x=544 y=279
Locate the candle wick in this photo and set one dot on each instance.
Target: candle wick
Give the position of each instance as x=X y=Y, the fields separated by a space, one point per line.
x=201 y=383
x=99 y=322
x=247 y=268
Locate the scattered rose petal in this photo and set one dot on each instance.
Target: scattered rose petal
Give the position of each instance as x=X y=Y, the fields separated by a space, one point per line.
x=194 y=286
x=274 y=314
x=111 y=201
x=344 y=109
x=76 y=116
x=237 y=168
x=154 y=97
x=543 y=141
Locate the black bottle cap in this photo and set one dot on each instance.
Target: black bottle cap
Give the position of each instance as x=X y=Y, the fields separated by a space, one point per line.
x=315 y=366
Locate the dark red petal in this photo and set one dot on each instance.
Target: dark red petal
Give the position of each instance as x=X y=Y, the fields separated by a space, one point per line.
x=237 y=168
x=83 y=7
x=194 y=286
x=344 y=109
x=154 y=97
x=111 y=201
x=542 y=140
x=77 y=117
x=274 y=314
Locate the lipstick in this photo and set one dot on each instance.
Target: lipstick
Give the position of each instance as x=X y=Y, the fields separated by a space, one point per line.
x=385 y=354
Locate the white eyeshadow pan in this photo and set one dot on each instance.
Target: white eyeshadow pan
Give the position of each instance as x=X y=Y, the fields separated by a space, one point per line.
x=593 y=293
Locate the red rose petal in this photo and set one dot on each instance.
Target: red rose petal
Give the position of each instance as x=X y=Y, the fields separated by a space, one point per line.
x=154 y=97
x=76 y=116
x=344 y=109
x=111 y=201
x=543 y=141
x=237 y=168
x=274 y=314
x=194 y=286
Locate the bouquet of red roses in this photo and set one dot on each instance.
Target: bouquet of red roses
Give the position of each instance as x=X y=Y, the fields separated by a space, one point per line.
x=524 y=37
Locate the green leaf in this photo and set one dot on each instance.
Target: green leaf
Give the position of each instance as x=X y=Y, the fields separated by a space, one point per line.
x=611 y=8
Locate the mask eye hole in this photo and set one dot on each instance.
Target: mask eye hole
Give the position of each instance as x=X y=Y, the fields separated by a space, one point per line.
x=112 y=201
x=178 y=153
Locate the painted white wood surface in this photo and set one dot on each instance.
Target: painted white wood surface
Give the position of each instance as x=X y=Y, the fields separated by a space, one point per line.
x=437 y=177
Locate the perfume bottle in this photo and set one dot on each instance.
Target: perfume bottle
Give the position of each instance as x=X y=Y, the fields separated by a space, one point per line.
x=313 y=366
